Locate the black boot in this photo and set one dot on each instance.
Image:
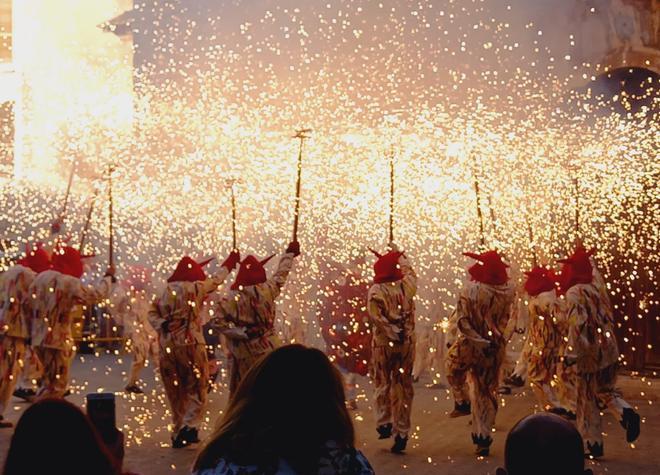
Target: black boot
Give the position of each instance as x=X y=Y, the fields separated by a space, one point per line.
x=191 y=435
x=515 y=381
x=178 y=441
x=27 y=394
x=559 y=411
x=5 y=424
x=384 y=431
x=594 y=451
x=482 y=443
x=461 y=409
x=399 y=444
x=133 y=388
x=630 y=422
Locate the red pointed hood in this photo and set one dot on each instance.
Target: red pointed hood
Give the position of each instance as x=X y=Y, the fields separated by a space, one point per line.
x=539 y=280
x=386 y=268
x=489 y=270
x=576 y=269
x=67 y=260
x=251 y=272
x=36 y=258
x=189 y=270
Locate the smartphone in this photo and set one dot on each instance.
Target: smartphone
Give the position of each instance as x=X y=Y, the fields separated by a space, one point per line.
x=101 y=410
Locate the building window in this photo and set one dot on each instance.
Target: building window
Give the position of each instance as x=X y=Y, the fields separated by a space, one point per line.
x=5 y=31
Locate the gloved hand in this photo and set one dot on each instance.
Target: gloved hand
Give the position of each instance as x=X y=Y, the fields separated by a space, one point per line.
x=165 y=327
x=110 y=272
x=294 y=248
x=232 y=260
x=236 y=333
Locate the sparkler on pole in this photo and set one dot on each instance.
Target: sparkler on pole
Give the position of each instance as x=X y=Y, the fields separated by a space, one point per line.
x=478 y=196
x=88 y=219
x=302 y=135
x=392 y=194
x=234 y=241
x=57 y=224
x=576 y=183
x=111 y=255
x=530 y=233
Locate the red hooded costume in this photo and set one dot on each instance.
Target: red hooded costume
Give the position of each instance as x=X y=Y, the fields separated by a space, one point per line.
x=540 y=279
x=576 y=269
x=36 y=259
x=489 y=270
x=68 y=261
x=189 y=270
x=386 y=268
x=251 y=272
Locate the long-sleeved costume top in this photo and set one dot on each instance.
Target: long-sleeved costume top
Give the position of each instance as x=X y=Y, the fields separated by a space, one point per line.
x=15 y=318
x=546 y=330
x=253 y=308
x=484 y=312
x=52 y=297
x=591 y=340
x=391 y=307
x=180 y=305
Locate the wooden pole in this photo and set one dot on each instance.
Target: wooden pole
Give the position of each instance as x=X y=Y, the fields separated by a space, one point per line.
x=111 y=255
x=301 y=135
x=478 y=196
x=56 y=226
x=530 y=233
x=88 y=219
x=233 y=218
x=576 y=183
x=392 y=195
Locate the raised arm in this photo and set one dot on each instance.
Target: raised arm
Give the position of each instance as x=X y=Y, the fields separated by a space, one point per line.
x=211 y=284
x=279 y=278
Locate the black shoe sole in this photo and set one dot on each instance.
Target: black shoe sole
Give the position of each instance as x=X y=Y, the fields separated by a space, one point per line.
x=633 y=428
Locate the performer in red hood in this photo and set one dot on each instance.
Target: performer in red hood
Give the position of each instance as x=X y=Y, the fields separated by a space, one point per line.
x=176 y=316
x=55 y=292
x=130 y=307
x=546 y=340
x=16 y=320
x=593 y=349
x=246 y=315
x=391 y=308
x=344 y=325
x=483 y=311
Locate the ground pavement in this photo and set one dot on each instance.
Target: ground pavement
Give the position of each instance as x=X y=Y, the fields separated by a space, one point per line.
x=439 y=445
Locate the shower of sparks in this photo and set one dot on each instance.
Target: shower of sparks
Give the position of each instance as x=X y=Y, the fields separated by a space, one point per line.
x=438 y=84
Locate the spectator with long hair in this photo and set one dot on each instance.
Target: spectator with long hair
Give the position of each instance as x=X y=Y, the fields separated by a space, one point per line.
x=288 y=416
x=54 y=436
